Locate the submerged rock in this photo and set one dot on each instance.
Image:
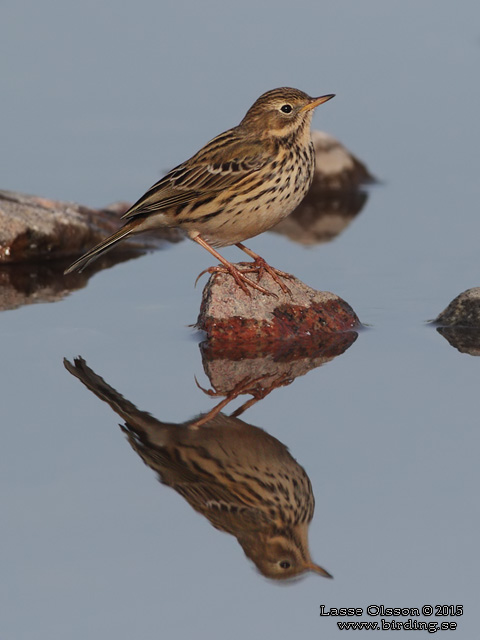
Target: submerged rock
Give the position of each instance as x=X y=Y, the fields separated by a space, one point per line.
x=228 y=314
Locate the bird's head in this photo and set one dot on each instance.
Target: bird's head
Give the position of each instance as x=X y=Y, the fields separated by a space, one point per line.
x=281 y=112
x=282 y=554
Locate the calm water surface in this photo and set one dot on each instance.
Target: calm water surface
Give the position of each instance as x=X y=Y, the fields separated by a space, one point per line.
x=97 y=101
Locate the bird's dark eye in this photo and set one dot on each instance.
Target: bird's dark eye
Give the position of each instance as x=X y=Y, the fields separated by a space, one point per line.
x=285 y=565
x=286 y=108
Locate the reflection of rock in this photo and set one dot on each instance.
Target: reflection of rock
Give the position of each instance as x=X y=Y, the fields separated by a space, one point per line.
x=30 y=283
x=465 y=339
x=34 y=228
x=22 y=284
x=460 y=322
x=229 y=314
x=321 y=216
x=235 y=369
x=244 y=481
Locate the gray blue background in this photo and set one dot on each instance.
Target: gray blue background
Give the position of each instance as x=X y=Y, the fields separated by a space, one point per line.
x=98 y=99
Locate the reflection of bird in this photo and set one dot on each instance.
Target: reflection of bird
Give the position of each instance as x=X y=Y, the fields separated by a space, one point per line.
x=244 y=481
x=240 y=184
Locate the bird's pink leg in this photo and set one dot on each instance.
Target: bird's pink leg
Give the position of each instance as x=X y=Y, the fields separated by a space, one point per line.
x=239 y=277
x=261 y=266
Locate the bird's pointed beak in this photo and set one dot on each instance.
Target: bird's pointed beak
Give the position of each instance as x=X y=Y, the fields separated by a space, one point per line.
x=315 y=102
x=317 y=569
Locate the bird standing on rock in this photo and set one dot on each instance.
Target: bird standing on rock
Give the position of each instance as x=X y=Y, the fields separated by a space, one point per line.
x=238 y=185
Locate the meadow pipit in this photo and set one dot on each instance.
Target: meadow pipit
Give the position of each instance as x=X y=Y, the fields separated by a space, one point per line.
x=238 y=185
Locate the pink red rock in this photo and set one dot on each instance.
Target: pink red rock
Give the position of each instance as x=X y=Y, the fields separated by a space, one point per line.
x=228 y=315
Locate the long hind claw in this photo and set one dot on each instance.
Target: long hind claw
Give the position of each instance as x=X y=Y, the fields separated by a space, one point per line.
x=261 y=267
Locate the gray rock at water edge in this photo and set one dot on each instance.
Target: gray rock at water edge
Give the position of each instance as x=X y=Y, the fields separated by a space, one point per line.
x=33 y=228
x=463 y=311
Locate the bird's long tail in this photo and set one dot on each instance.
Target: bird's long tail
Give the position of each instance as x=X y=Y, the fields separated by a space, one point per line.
x=101 y=247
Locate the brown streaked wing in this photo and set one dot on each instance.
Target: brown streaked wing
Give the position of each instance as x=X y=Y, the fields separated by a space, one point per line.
x=223 y=162
x=225 y=512
x=160 y=196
